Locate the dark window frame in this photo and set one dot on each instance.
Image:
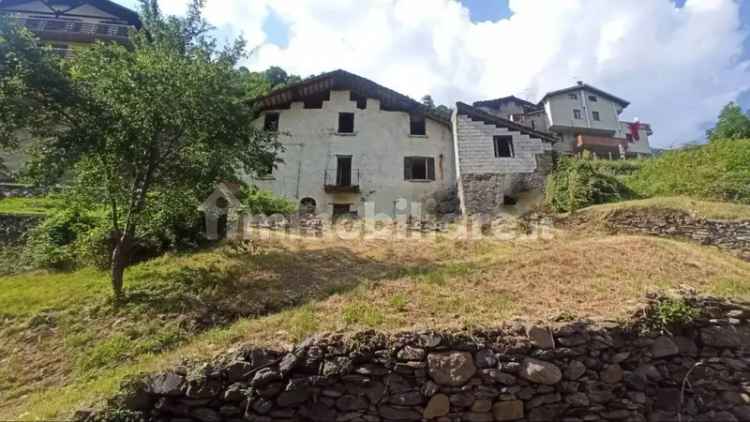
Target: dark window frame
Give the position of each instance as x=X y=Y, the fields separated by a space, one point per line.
x=593 y=98
x=417 y=125
x=503 y=146
x=271 y=122
x=424 y=165
x=596 y=116
x=573 y=96
x=346 y=123
x=577 y=114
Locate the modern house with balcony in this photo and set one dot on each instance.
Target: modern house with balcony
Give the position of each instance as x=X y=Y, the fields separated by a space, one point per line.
x=67 y=24
x=584 y=118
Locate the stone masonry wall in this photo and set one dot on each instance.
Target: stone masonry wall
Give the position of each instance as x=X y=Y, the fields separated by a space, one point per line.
x=573 y=372
x=13 y=227
x=485 y=179
x=731 y=235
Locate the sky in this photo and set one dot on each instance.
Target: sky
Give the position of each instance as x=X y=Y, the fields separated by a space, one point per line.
x=677 y=61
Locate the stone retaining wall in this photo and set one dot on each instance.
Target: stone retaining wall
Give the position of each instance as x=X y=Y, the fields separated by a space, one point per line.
x=573 y=372
x=13 y=227
x=732 y=235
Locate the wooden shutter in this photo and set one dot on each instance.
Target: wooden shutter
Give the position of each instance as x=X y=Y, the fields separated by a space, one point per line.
x=430 y=168
x=407 y=168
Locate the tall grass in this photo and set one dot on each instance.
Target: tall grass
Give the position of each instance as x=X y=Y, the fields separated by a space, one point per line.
x=717 y=171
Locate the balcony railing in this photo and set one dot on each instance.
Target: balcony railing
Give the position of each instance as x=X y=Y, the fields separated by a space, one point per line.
x=337 y=181
x=75 y=30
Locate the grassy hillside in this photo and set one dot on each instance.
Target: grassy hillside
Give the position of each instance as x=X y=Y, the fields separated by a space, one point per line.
x=702 y=209
x=32 y=206
x=65 y=346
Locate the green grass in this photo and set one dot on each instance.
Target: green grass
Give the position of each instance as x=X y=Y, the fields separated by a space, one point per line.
x=703 y=209
x=193 y=306
x=29 y=206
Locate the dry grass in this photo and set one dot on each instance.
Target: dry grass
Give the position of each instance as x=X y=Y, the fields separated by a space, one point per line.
x=702 y=209
x=309 y=287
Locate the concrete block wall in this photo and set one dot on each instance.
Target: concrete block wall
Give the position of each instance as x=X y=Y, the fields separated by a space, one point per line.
x=484 y=180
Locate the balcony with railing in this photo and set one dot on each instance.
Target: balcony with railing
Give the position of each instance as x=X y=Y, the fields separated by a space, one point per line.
x=341 y=180
x=602 y=146
x=76 y=31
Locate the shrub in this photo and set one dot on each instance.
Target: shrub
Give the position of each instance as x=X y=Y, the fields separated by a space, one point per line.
x=258 y=201
x=717 y=171
x=667 y=314
x=65 y=239
x=580 y=182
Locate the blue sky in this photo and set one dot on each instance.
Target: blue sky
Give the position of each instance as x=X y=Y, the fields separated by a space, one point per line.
x=677 y=61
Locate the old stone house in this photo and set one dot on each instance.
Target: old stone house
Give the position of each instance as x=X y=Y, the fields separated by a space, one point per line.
x=353 y=147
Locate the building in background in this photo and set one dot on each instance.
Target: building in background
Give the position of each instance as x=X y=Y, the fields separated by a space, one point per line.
x=584 y=118
x=67 y=24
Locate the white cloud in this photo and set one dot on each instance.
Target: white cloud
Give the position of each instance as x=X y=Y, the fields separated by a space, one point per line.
x=678 y=67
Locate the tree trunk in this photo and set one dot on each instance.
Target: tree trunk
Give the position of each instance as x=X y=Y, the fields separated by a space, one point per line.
x=119 y=262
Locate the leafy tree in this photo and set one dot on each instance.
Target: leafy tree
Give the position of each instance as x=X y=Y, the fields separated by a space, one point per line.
x=140 y=128
x=430 y=103
x=732 y=124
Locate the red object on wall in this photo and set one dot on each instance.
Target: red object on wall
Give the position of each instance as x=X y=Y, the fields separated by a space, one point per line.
x=635 y=129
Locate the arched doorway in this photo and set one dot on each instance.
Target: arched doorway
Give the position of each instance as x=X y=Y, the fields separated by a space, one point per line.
x=307 y=206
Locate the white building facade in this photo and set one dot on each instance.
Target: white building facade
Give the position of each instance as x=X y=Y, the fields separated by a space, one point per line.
x=350 y=144
x=583 y=117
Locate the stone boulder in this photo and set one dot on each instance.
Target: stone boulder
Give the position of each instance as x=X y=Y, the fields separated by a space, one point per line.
x=451 y=368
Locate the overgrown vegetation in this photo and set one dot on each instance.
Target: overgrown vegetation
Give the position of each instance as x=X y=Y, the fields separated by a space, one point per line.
x=261 y=202
x=141 y=128
x=581 y=182
x=718 y=171
x=667 y=314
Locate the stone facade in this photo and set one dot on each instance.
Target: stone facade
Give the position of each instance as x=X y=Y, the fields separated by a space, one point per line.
x=567 y=372
x=485 y=181
x=730 y=235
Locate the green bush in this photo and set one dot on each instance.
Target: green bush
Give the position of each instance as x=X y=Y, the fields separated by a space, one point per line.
x=668 y=314
x=580 y=182
x=67 y=238
x=258 y=201
x=717 y=171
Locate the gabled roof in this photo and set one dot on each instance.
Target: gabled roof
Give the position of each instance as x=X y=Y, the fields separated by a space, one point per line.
x=587 y=87
x=499 y=102
x=477 y=114
x=122 y=12
x=343 y=80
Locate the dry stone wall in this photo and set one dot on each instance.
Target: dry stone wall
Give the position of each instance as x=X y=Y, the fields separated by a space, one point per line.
x=574 y=372
x=731 y=235
x=13 y=227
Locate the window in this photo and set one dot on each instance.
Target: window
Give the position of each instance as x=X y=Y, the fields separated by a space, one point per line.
x=346 y=122
x=533 y=124
x=593 y=98
x=272 y=122
x=503 y=146
x=596 y=115
x=417 y=125
x=573 y=96
x=419 y=168
x=577 y=114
